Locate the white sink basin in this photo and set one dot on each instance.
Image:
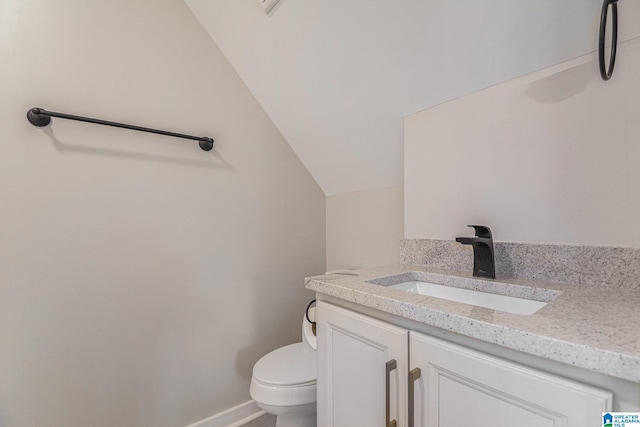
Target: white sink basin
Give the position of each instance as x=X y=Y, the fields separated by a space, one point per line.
x=506 y=303
x=495 y=294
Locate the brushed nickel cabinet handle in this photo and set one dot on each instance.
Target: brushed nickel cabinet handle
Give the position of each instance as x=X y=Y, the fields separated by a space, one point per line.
x=414 y=374
x=391 y=365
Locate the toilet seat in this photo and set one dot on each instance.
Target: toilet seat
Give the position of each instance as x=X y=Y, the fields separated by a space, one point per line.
x=286 y=377
x=287 y=366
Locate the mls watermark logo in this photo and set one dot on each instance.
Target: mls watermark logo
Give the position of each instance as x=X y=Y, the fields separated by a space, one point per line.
x=621 y=419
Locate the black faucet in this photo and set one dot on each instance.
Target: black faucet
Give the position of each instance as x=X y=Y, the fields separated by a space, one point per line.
x=484 y=263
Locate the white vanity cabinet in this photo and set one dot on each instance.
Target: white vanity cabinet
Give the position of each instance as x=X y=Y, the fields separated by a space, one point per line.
x=362 y=365
x=452 y=386
x=462 y=387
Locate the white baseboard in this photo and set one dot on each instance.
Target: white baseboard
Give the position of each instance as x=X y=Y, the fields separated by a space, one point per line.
x=233 y=417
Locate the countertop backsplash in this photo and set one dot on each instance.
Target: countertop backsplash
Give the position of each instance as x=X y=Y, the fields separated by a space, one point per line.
x=609 y=266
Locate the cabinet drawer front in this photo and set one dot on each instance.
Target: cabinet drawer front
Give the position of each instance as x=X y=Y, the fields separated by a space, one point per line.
x=461 y=387
x=353 y=351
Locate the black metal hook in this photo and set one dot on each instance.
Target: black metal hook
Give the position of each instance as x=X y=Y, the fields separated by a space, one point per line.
x=607 y=72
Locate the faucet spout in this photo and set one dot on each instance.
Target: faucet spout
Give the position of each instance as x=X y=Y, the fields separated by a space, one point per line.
x=484 y=264
x=465 y=240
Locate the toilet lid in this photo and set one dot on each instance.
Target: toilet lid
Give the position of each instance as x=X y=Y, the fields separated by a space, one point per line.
x=287 y=366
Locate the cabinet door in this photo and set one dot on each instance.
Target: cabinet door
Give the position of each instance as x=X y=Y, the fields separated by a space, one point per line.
x=353 y=351
x=459 y=387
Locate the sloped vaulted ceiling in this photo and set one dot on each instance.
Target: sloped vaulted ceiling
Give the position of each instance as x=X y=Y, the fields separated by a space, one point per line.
x=338 y=76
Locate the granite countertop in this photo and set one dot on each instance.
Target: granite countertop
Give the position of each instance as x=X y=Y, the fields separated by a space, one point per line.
x=595 y=328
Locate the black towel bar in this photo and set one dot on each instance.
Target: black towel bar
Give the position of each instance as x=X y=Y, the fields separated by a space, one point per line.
x=41 y=117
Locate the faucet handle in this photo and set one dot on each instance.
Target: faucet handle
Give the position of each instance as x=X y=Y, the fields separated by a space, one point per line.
x=482 y=231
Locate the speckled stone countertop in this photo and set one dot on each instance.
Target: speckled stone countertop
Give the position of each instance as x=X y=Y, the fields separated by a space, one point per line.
x=589 y=327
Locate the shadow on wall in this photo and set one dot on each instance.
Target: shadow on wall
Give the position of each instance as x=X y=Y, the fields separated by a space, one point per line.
x=564 y=84
x=63 y=147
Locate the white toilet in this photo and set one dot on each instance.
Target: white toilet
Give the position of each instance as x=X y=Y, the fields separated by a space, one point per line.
x=284 y=381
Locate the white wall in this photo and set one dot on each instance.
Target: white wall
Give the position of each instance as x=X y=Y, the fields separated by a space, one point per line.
x=550 y=157
x=337 y=77
x=364 y=228
x=140 y=277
